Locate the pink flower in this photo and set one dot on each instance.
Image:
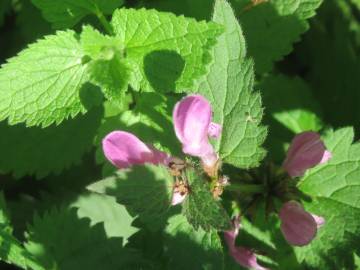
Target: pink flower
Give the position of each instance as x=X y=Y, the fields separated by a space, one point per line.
x=192 y=121
x=298 y=226
x=243 y=256
x=123 y=149
x=306 y=151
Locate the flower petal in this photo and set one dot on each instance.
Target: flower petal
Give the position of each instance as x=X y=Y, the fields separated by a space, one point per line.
x=214 y=130
x=124 y=149
x=192 y=118
x=243 y=256
x=298 y=226
x=177 y=198
x=306 y=151
x=319 y=220
x=327 y=155
x=246 y=258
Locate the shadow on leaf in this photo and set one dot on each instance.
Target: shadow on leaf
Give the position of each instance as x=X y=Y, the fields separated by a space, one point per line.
x=162 y=69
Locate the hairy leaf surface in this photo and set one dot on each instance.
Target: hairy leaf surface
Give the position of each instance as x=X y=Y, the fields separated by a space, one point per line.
x=229 y=88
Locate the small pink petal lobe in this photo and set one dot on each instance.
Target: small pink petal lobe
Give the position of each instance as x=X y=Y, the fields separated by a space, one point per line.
x=124 y=149
x=306 y=151
x=214 y=130
x=298 y=226
x=320 y=221
x=177 y=198
x=326 y=157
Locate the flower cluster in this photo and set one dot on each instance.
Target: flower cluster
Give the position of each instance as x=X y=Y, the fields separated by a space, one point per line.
x=193 y=126
x=192 y=122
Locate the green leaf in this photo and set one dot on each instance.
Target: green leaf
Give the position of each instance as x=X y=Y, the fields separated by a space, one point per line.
x=166 y=53
x=229 y=88
x=66 y=13
x=104 y=209
x=48 y=150
x=99 y=46
x=11 y=250
x=4 y=213
x=271 y=28
x=42 y=84
x=296 y=110
x=145 y=190
x=338 y=95
x=334 y=188
x=200 y=208
x=62 y=240
x=109 y=70
x=203 y=249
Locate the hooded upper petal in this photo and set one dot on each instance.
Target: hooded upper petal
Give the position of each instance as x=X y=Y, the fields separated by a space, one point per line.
x=243 y=256
x=192 y=119
x=124 y=149
x=306 y=151
x=298 y=226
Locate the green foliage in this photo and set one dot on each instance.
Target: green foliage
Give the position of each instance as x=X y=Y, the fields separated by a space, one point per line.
x=296 y=111
x=228 y=86
x=166 y=53
x=66 y=13
x=41 y=85
x=49 y=150
x=201 y=209
x=4 y=7
x=109 y=70
x=11 y=251
x=334 y=188
x=278 y=25
x=104 y=209
x=334 y=59
x=203 y=249
x=62 y=240
x=146 y=191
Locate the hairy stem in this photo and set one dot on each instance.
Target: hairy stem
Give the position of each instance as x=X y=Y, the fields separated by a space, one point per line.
x=104 y=22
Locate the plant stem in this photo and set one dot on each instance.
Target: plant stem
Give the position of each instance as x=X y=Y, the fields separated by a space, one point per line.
x=104 y=21
x=246 y=188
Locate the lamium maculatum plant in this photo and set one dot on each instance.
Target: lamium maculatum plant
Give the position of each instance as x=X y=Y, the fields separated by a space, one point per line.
x=205 y=134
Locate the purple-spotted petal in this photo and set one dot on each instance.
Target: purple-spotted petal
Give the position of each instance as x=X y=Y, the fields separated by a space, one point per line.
x=123 y=149
x=192 y=118
x=214 y=130
x=298 y=226
x=306 y=151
